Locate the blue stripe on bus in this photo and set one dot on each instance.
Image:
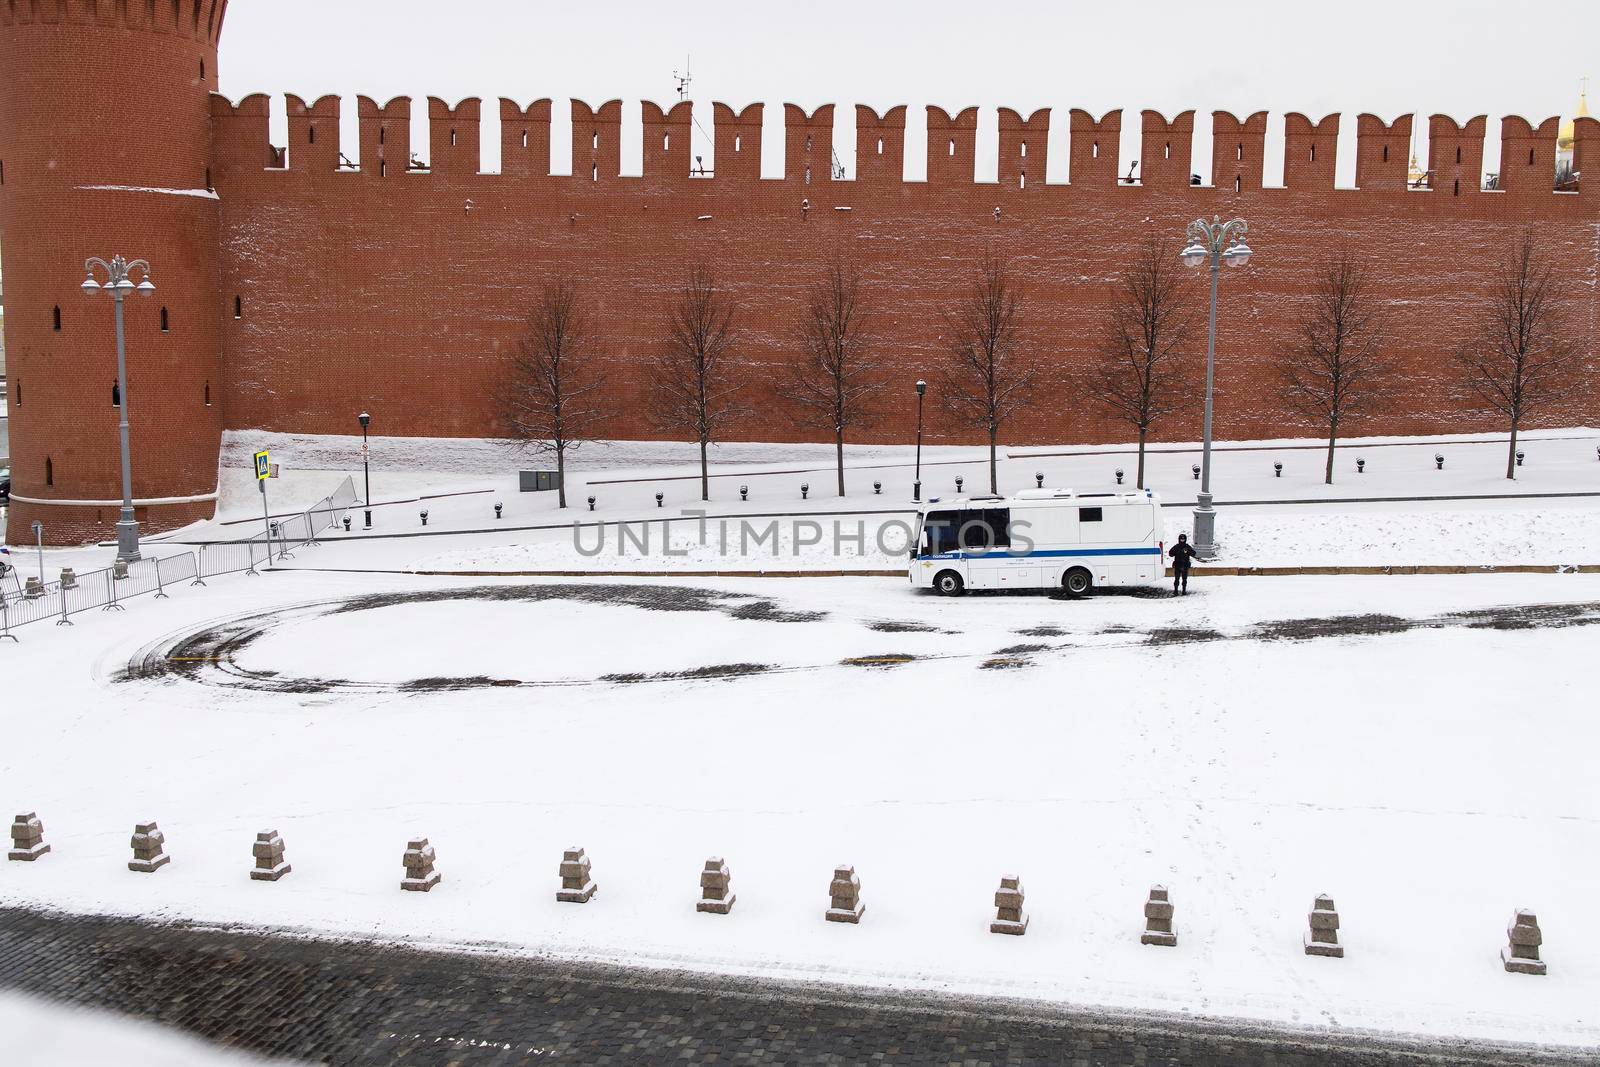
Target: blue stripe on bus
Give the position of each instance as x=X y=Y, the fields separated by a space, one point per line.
x=1054 y=552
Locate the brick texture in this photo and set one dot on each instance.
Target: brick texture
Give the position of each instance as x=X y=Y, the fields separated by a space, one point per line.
x=382 y=289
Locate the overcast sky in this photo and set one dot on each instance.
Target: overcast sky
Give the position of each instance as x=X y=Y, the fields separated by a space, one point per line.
x=1462 y=58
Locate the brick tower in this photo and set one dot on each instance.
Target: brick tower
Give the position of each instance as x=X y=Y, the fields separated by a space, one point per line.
x=105 y=149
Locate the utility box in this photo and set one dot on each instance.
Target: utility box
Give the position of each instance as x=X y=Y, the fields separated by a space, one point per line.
x=538 y=481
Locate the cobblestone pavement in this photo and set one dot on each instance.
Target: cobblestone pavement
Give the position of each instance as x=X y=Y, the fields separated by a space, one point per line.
x=354 y=1003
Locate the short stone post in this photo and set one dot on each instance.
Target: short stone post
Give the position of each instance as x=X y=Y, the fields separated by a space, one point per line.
x=148 y=855
x=576 y=885
x=1521 y=956
x=1323 y=940
x=420 y=875
x=268 y=851
x=1008 y=899
x=34 y=589
x=714 y=894
x=845 y=896
x=69 y=579
x=27 y=838
x=1158 y=919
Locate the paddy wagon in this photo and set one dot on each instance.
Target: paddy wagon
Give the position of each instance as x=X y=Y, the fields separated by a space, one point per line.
x=1039 y=539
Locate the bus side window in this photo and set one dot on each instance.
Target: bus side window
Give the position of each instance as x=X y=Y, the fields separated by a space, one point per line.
x=1090 y=515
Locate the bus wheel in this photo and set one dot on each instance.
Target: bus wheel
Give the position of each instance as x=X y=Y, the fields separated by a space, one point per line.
x=948 y=583
x=1077 y=582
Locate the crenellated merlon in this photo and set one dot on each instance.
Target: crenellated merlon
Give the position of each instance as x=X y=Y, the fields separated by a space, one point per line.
x=1455 y=166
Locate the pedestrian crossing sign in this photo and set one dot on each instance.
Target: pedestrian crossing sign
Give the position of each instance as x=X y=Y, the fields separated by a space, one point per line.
x=263 y=466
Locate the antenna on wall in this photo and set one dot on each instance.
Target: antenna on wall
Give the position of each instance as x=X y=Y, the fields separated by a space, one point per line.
x=683 y=80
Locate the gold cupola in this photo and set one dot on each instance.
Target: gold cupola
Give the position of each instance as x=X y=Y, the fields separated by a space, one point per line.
x=1568 y=135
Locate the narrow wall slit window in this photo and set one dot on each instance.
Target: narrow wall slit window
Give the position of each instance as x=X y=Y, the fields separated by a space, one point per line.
x=1313 y=156
x=1386 y=153
x=49 y=471
x=736 y=141
x=238 y=308
x=163 y=320
x=311 y=134
x=1024 y=149
x=55 y=318
x=1094 y=150
x=452 y=138
x=116 y=395
x=207 y=394
x=952 y=146
x=524 y=138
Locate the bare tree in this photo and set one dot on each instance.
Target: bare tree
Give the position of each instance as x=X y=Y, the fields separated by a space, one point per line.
x=692 y=389
x=836 y=380
x=1520 y=360
x=991 y=371
x=1337 y=371
x=1140 y=375
x=551 y=399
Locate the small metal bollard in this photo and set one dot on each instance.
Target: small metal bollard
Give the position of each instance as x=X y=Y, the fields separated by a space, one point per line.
x=591 y=503
x=659 y=498
x=1438 y=460
x=1038 y=478
x=1196 y=471
x=877 y=488
x=744 y=492
x=1119 y=475
x=805 y=487
x=1361 y=466
x=958 y=483
x=274 y=531
x=1277 y=470
x=497 y=508
x=1520 y=456
x=347 y=524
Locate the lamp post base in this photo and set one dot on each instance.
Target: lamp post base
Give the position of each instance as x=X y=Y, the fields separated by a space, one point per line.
x=916 y=491
x=128 y=538
x=367 y=518
x=1205 y=527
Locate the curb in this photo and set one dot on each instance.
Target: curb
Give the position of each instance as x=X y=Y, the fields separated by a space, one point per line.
x=1198 y=572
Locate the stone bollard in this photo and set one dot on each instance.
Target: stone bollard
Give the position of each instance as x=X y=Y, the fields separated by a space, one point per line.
x=420 y=875
x=714 y=894
x=1521 y=956
x=27 y=838
x=69 y=579
x=1323 y=940
x=845 y=894
x=119 y=569
x=34 y=589
x=576 y=885
x=1008 y=899
x=148 y=856
x=268 y=851
x=1158 y=919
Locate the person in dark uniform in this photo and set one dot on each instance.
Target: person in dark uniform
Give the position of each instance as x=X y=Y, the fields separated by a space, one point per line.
x=1181 y=554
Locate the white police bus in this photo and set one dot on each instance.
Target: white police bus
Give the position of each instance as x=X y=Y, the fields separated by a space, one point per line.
x=1039 y=539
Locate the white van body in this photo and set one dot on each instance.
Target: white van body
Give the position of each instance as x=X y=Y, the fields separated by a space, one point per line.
x=1042 y=538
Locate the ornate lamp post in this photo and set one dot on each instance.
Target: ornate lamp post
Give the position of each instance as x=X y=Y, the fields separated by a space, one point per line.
x=119 y=284
x=916 y=486
x=1215 y=242
x=366 y=474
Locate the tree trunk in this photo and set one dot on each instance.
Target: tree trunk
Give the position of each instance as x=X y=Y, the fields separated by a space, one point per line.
x=1511 y=453
x=838 y=445
x=1138 y=478
x=994 y=482
x=561 y=474
x=705 y=478
x=1333 y=437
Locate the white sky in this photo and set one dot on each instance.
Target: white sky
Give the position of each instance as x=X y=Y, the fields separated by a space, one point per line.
x=1461 y=58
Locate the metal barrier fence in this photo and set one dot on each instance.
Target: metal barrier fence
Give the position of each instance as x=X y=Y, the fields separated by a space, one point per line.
x=109 y=587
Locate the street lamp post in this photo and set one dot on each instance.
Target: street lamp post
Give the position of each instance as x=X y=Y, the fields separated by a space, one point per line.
x=1215 y=242
x=38 y=540
x=916 y=486
x=119 y=284
x=366 y=473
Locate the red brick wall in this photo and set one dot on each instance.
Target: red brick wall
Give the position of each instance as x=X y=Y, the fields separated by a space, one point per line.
x=381 y=289
x=388 y=294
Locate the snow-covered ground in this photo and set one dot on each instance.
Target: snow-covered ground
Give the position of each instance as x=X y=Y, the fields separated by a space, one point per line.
x=48 y=1035
x=1432 y=768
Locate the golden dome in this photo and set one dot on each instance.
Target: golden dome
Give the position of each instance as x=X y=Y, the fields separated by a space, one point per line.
x=1415 y=175
x=1569 y=128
